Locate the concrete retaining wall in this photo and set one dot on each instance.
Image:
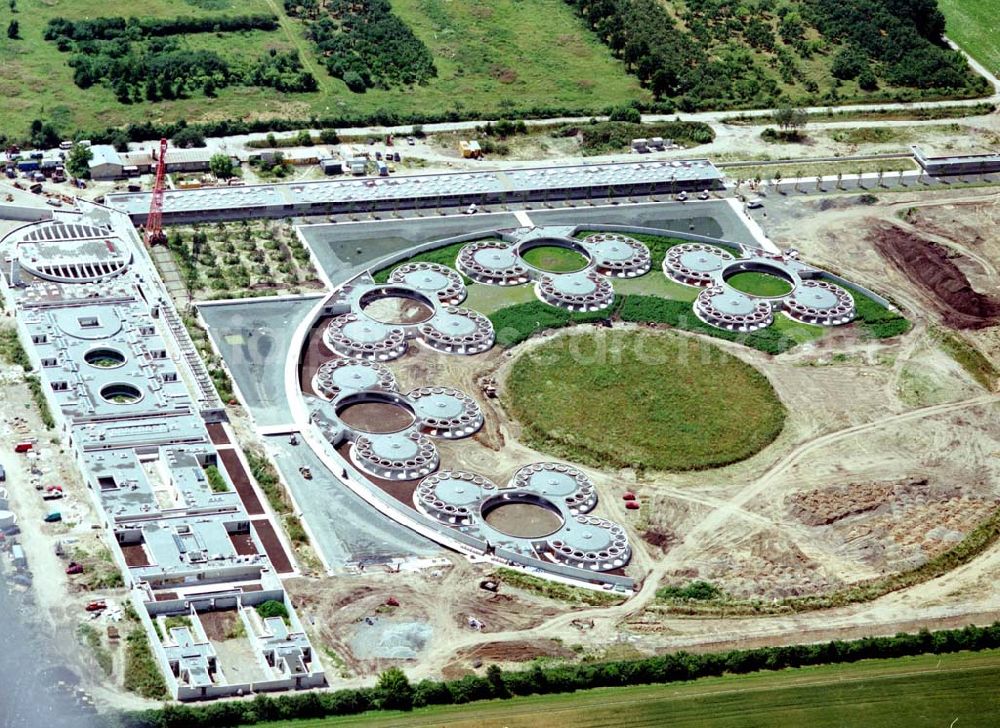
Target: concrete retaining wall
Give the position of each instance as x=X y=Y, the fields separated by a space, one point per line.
x=25 y=213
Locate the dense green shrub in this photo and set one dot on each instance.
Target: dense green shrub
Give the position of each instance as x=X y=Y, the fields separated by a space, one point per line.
x=695 y=590
x=678 y=314
x=134 y=28
x=11 y=350
x=35 y=387
x=216 y=481
x=518 y=323
x=625 y=113
x=903 y=37
x=613 y=136
x=272 y=608
x=142 y=671
x=876 y=320
x=705 y=60
x=267 y=478
x=393 y=690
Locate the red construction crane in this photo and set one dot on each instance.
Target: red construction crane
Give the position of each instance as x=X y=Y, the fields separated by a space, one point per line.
x=154 y=221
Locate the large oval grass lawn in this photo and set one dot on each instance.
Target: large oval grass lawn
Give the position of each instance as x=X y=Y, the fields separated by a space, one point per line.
x=652 y=400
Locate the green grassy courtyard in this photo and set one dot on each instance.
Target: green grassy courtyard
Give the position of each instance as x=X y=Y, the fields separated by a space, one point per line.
x=760 y=284
x=554 y=259
x=929 y=690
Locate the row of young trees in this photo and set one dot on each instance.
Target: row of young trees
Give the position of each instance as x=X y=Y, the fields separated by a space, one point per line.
x=155 y=68
x=393 y=691
x=365 y=44
x=136 y=28
x=142 y=58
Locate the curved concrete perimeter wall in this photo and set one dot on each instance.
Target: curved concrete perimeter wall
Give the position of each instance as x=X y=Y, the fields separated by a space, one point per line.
x=389 y=506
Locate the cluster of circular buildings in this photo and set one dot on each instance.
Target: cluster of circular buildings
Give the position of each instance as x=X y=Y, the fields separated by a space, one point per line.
x=391 y=432
x=503 y=262
x=418 y=302
x=542 y=515
x=809 y=298
x=544 y=504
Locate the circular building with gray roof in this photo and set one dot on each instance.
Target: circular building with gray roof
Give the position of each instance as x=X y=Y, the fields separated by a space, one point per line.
x=432 y=279
x=588 y=542
x=583 y=291
x=351 y=375
x=396 y=456
x=364 y=338
x=445 y=412
x=452 y=496
x=493 y=262
x=618 y=256
x=458 y=330
x=820 y=302
x=725 y=308
x=695 y=264
x=558 y=482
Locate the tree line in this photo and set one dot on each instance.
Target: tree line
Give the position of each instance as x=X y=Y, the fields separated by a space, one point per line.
x=136 y=28
x=393 y=691
x=700 y=66
x=365 y=45
x=142 y=59
x=901 y=39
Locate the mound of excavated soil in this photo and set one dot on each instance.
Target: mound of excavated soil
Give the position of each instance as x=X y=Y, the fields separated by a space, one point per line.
x=514 y=651
x=930 y=267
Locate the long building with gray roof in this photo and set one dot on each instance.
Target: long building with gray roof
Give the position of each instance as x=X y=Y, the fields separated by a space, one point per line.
x=448 y=189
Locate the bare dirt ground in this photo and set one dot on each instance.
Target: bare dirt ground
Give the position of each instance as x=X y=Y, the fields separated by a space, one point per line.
x=443 y=599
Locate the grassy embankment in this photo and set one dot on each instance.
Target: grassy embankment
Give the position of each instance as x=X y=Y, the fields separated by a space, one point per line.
x=974 y=25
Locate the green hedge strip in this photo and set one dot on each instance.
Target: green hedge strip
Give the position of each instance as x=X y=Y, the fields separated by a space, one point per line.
x=394 y=692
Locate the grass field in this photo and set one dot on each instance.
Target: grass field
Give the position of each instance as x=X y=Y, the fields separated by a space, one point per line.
x=975 y=26
x=37 y=82
x=554 y=259
x=929 y=690
x=759 y=284
x=493 y=57
x=692 y=405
